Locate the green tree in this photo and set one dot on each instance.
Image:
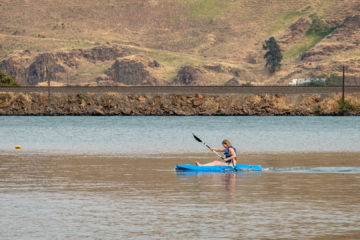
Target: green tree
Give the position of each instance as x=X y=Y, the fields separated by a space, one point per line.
x=7 y=81
x=273 y=55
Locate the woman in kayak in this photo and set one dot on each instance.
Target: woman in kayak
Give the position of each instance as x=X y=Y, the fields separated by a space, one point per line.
x=229 y=152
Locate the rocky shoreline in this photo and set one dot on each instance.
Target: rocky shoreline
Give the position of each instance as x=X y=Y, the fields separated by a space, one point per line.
x=112 y=103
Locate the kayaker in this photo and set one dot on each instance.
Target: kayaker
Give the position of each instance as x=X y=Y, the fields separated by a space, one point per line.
x=229 y=152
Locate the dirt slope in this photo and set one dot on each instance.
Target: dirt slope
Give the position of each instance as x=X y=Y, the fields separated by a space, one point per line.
x=180 y=33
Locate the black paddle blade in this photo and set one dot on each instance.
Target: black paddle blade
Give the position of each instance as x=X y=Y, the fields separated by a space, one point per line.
x=196 y=138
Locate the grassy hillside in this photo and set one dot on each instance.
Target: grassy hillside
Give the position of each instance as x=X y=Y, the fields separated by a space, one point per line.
x=176 y=32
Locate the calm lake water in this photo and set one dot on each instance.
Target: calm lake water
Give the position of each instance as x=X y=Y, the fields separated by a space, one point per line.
x=114 y=178
x=151 y=135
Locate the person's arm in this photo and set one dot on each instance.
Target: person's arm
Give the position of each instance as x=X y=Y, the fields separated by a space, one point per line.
x=217 y=149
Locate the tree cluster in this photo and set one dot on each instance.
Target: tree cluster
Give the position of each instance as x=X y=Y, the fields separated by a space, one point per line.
x=7 y=81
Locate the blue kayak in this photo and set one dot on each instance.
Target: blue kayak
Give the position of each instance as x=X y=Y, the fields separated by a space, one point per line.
x=239 y=167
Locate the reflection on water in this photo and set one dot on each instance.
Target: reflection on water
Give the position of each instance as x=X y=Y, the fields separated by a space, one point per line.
x=228 y=180
x=96 y=197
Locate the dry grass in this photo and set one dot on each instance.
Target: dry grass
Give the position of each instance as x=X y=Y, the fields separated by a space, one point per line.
x=174 y=32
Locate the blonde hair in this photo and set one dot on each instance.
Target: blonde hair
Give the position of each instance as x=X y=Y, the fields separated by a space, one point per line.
x=227 y=142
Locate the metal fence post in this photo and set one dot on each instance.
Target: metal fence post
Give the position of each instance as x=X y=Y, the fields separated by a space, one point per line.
x=343 y=85
x=48 y=80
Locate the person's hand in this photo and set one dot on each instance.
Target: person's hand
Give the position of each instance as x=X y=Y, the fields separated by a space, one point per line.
x=212 y=149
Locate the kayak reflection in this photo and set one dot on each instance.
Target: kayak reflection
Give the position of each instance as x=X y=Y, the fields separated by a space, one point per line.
x=225 y=180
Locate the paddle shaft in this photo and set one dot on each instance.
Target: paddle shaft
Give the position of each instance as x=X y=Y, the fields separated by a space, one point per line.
x=201 y=141
x=214 y=151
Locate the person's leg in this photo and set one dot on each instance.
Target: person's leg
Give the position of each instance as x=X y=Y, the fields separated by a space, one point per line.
x=214 y=163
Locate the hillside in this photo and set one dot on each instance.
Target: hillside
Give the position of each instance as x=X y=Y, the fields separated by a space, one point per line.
x=161 y=42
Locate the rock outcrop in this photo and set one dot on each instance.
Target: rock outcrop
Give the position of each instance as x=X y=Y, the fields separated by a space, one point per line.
x=112 y=103
x=233 y=82
x=44 y=67
x=31 y=70
x=192 y=75
x=133 y=70
x=202 y=75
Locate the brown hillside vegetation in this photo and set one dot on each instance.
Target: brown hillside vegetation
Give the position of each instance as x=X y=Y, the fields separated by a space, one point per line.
x=94 y=42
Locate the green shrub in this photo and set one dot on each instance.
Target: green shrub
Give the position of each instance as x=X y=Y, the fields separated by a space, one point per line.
x=313 y=84
x=333 y=80
x=346 y=106
x=7 y=81
x=320 y=27
x=319 y=111
x=318 y=30
x=247 y=84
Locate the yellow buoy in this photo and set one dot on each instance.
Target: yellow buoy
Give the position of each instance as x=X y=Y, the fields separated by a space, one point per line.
x=17 y=147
